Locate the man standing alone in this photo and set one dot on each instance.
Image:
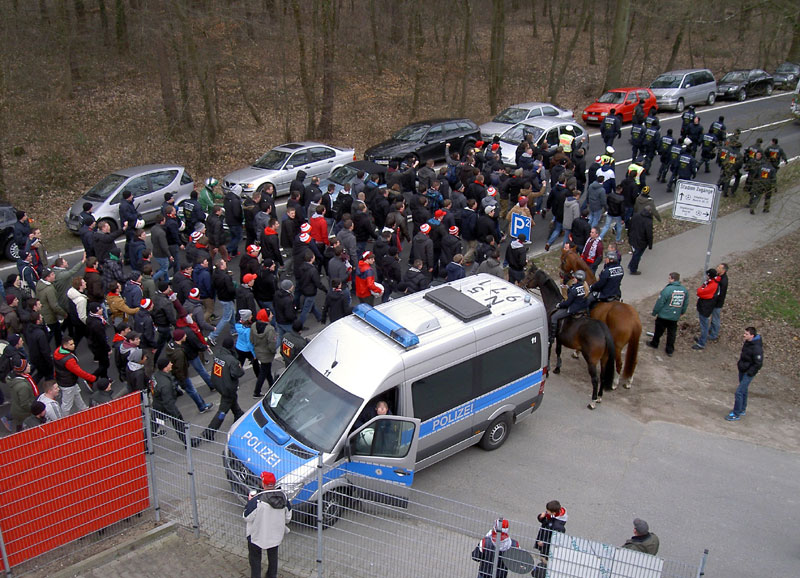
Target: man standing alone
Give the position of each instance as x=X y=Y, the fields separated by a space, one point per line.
x=671 y=304
x=267 y=514
x=750 y=361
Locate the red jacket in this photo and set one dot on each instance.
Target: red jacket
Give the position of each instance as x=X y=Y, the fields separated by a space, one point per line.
x=72 y=365
x=708 y=290
x=319 y=229
x=365 y=280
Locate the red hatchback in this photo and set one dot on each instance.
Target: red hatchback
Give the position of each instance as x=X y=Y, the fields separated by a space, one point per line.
x=623 y=100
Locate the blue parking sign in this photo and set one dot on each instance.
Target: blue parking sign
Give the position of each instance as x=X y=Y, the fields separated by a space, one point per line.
x=520 y=224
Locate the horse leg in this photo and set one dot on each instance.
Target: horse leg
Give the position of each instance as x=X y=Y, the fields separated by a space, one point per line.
x=596 y=397
x=558 y=357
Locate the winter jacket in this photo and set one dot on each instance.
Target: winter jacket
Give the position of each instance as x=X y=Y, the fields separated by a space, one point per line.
x=132 y=293
x=647 y=544
x=572 y=212
x=640 y=234
x=118 y=310
x=454 y=272
x=491 y=266
x=51 y=310
x=67 y=370
x=94 y=285
x=517 y=256
x=643 y=202
x=284 y=307
x=752 y=357
x=722 y=291
x=245 y=299
x=595 y=197
x=180 y=364
x=222 y=283
x=706 y=297
x=550 y=524
x=308 y=281
x=365 y=280
x=182 y=285
x=158 y=237
x=335 y=306
x=38 y=348
x=233 y=209
x=165 y=394
x=104 y=242
x=270 y=246
x=225 y=373
x=422 y=248
x=215 y=231
x=267 y=515
x=414 y=280
x=672 y=302
x=23 y=393
x=263 y=337
x=201 y=277
x=243 y=342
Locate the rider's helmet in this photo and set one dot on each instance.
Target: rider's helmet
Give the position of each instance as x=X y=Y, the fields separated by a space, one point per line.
x=579 y=275
x=611 y=256
x=211 y=182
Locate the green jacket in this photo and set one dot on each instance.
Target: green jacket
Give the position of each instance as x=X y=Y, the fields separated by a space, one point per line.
x=22 y=397
x=51 y=310
x=63 y=282
x=208 y=199
x=165 y=394
x=225 y=372
x=672 y=303
x=264 y=342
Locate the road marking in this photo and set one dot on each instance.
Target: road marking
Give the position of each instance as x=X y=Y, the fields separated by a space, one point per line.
x=720 y=107
x=767 y=125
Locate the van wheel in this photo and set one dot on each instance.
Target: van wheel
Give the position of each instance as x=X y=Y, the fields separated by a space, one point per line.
x=679 y=107
x=332 y=508
x=712 y=98
x=11 y=250
x=497 y=433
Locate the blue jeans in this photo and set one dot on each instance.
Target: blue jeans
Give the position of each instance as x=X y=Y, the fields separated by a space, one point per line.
x=637 y=256
x=627 y=215
x=594 y=217
x=236 y=236
x=740 y=403
x=567 y=234
x=281 y=329
x=163 y=269
x=197 y=364
x=190 y=389
x=713 y=333
x=309 y=306
x=615 y=222
x=226 y=319
x=556 y=230
x=705 y=323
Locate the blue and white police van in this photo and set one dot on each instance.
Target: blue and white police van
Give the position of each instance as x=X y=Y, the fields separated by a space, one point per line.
x=456 y=365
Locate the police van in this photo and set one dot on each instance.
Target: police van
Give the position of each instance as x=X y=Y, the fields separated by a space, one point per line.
x=393 y=389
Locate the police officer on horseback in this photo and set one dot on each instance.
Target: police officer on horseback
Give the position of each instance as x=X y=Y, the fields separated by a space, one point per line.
x=576 y=302
x=608 y=286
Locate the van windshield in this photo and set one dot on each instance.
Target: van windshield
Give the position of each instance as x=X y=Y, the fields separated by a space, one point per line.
x=310 y=407
x=667 y=81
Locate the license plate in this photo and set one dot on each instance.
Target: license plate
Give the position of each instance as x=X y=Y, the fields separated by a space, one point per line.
x=591 y=118
x=381 y=162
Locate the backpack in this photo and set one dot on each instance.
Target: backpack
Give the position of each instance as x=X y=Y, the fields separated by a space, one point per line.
x=452 y=174
x=5 y=362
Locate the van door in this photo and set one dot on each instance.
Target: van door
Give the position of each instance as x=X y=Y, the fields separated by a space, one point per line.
x=161 y=182
x=381 y=459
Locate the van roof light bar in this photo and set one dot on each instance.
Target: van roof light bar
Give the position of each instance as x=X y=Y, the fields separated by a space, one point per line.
x=386 y=325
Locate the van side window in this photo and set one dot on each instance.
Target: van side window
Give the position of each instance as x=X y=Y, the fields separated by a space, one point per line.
x=384 y=438
x=442 y=391
x=508 y=363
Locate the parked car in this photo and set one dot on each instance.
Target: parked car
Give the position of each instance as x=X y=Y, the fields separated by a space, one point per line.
x=519 y=112
x=795 y=106
x=786 y=75
x=425 y=140
x=740 y=84
x=676 y=89
x=347 y=174
x=8 y=218
x=543 y=129
x=623 y=100
x=280 y=166
x=148 y=183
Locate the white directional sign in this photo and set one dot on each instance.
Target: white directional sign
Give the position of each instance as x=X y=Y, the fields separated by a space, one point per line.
x=695 y=201
x=520 y=224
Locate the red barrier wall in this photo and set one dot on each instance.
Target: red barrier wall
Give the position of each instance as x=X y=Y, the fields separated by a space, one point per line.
x=69 y=478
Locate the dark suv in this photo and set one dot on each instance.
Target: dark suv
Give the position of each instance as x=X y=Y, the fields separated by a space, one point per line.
x=425 y=140
x=8 y=218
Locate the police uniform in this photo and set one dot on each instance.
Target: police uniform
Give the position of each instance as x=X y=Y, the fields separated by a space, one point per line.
x=291 y=346
x=610 y=129
x=774 y=154
x=707 y=150
x=718 y=130
x=649 y=143
x=685 y=168
x=637 y=169
x=686 y=120
x=637 y=133
x=225 y=374
x=765 y=182
x=609 y=284
x=576 y=301
x=751 y=165
x=665 y=145
x=731 y=161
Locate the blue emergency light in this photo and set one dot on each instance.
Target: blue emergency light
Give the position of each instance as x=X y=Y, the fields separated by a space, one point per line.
x=386 y=325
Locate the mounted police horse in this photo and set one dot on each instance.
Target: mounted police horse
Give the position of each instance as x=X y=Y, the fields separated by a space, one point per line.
x=622 y=319
x=588 y=336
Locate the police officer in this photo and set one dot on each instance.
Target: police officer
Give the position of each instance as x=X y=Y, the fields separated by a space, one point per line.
x=611 y=128
x=695 y=133
x=565 y=140
x=708 y=148
x=576 y=301
x=775 y=154
x=225 y=375
x=638 y=114
x=607 y=158
x=685 y=167
x=686 y=119
x=292 y=343
x=718 y=129
x=608 y=286
x=665 y=144
x=652 y=135
x=193 y=212
x=730 y=159
x=637 y=168
x=751 y=165
x=637 y=134
x=671 y=304
x=765 y=183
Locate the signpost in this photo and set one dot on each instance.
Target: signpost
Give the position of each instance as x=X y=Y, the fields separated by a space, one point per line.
x=520 y=224
x=697 y=202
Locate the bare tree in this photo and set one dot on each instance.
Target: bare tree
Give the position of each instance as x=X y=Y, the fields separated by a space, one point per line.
x=376 y=49
x=419 y=40
x=329 y=15
x=121 y=27
x=165 y=80
x=497 y=51
x=306 y=71
x=462 y=107
x=103 y=14
x=619 y=41
x=676 y=45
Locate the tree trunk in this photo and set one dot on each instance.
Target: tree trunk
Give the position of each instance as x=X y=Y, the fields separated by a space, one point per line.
x=616 y=53
x=676 y=46
x=80 y=15
x=329 y=26
x=534 y=19
x=121 y=27
x=376 y=50
x=165 y=79
x=464 y=69
x=592 y=51
x=794 y=47
x=101 y=9
x=44 y=16
x=555 y=28
x=305 y=74
x=65 y=41
x=3 y=192
x=497 y=53
x=183 y=79
x=419 y=40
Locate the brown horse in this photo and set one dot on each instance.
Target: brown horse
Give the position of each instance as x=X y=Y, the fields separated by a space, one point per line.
x=589 y=336
x=622 y=319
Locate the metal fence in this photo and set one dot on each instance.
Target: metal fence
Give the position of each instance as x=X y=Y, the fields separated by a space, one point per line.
x=431 y=536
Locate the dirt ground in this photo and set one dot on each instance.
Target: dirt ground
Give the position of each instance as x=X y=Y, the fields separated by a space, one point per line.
x=696 y=388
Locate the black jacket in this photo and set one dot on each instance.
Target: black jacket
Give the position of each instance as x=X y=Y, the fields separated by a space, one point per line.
x=308 y=282
x=722 y=291
x=223 y=285
x=38 y=348
x=226 y=372
x=215 y=230
x=96 y=333
x=580 y=232
x=284 y=307
x=165 y=394
x=245 y=299
x=265 y=285
x=335 y=306
x=640 y=234
x=363 y=228
x=752 y=357
x=104 y=242
x=233 y=209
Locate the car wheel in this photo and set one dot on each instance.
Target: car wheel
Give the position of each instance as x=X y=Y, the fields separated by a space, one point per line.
x=679 y=107
x=11 y=250
x=467 y=145
x=770 y=88
x=742 y=96
x=497 y=433
x=111 y=223
x=712 y=98
x=263 y=188
x=332 y=508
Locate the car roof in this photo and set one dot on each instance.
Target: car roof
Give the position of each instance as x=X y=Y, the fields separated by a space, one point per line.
x=684 y=71
x=438 y=120
x=627 y=88
x=546 y=122
x=133 y=171
x=293 y=146
x=368 y=167
x=533 y=105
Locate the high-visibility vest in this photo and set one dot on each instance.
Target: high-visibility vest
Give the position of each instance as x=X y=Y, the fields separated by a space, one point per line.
x=637 y=170
x=565 y=142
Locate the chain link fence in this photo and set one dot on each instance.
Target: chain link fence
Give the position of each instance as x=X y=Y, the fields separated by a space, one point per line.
x=363 y=531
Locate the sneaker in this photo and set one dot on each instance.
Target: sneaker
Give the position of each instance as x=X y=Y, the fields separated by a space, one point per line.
x=732 y=417
x=731 y=414
x=206 y=407
x=651 y=344
x=698 y=347
x=6 y=423
x=743 y=414
x=636 y=272
x=714 y=339
x=159 y=433
x=669 y=354
x=257 y=394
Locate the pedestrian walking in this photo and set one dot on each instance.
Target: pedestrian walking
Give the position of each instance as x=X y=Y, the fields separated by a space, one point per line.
x=267 y=513
x=671 y=304
x=640 y=236
x=750 y=361
x=225 y=376
x=643 y=540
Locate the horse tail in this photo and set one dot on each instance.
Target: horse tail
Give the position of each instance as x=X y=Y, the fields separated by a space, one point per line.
x=632 y=352
x=607 y=375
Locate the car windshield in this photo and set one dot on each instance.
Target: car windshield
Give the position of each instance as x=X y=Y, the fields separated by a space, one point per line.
x=667 y=81
x=511 y=115
x=517 y=132
x=787 y=67
x=612 y=98
x=412 y=133
x=104 y=188
x=272 y=161
x=734 y=77
x=310 y=407
x=343 y=175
